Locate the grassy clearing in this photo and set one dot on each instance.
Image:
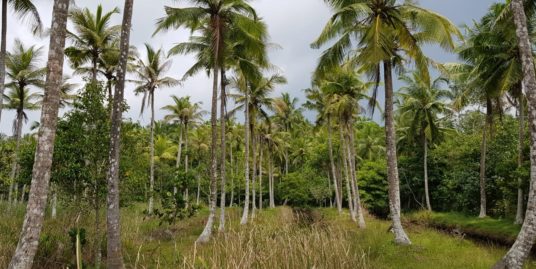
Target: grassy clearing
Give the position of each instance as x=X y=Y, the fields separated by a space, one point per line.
x=278 y=238
x=502 y=231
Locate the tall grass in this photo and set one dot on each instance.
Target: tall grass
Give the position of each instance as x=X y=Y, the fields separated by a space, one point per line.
x=280 y=241
x=278 y=238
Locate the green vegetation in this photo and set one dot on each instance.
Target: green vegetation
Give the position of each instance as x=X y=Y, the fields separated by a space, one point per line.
x=277 y=238
x=502 y=231
x=301 y=194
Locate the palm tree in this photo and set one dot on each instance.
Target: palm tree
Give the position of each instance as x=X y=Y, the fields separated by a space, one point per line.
x=184 y=113
x=285 y=113
x=23 y=73
x=23 y=8
x=114 y=255
x=92 y=39
x=488 y=73
x=214 y=18
x=150 y=74
x=35 y=210
x=317 y=100
x=253 y=97
x=344 y=90
x=422 y=105
x=517 y=255
x=386 y=32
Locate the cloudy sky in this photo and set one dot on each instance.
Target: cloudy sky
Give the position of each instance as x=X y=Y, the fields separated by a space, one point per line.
x=293 y=24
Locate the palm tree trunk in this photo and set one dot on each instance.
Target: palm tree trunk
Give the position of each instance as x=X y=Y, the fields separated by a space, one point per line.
x=114 y=257
x=355 y=187
x=223 y=99
x=94 y=69
x=15 y=161
x=98 y=255
x=271 y=180
x=186 y=162
x=207 y=231
x=392 y=163
x=426 y=193
x=186 y=196
x=151 y=145
x=254 y=174
x=245 y=213
x=232 y=175
x=35 y=210
x=179 y=149
x=344 y=159
x=260 y=175
x=53 y=211
x=521 y=142
x=333 y=171
x=483 y=150
x=517 y=255
x=3 y=52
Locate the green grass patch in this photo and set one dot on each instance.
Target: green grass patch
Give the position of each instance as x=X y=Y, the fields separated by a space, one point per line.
x=502 y=231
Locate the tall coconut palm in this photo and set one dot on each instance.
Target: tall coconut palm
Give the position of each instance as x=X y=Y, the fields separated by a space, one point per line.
x=151 y=76
x=253 y=97
x=386 y=32
x=285 y=113
x=214 y=18
x=35 y=210
x=500 y=55
x=488 y=73
x=344 y=90
x=23 y=72
x=25 y=9
x=114 y=257
x=93 y=37
x=517 y=255
x=184 y=112
x=422 y=104
x=317 y=100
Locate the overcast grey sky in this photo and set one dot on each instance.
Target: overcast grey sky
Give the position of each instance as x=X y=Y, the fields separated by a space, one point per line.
x=293 y=24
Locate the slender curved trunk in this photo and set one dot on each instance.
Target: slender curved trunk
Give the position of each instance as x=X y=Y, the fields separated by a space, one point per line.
x=223 y=99
x=15 y=160
x=53 y=211
x=207 y=231
x=260 y=175
x=426 y=193
x=353 y=169
x=392 y=163
x=521 y=142
x=114 y=257
x=3 y=53
x=232 y=175
x=35 y=210
x=186 y=161
x=151 y=145
x=179 y=149
x=483 y=150
x=186 y=192
x=333 y=170
x=344 y=159
x=254 y=174
x=245 y=213
x=271 y=180
x=517 y=255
